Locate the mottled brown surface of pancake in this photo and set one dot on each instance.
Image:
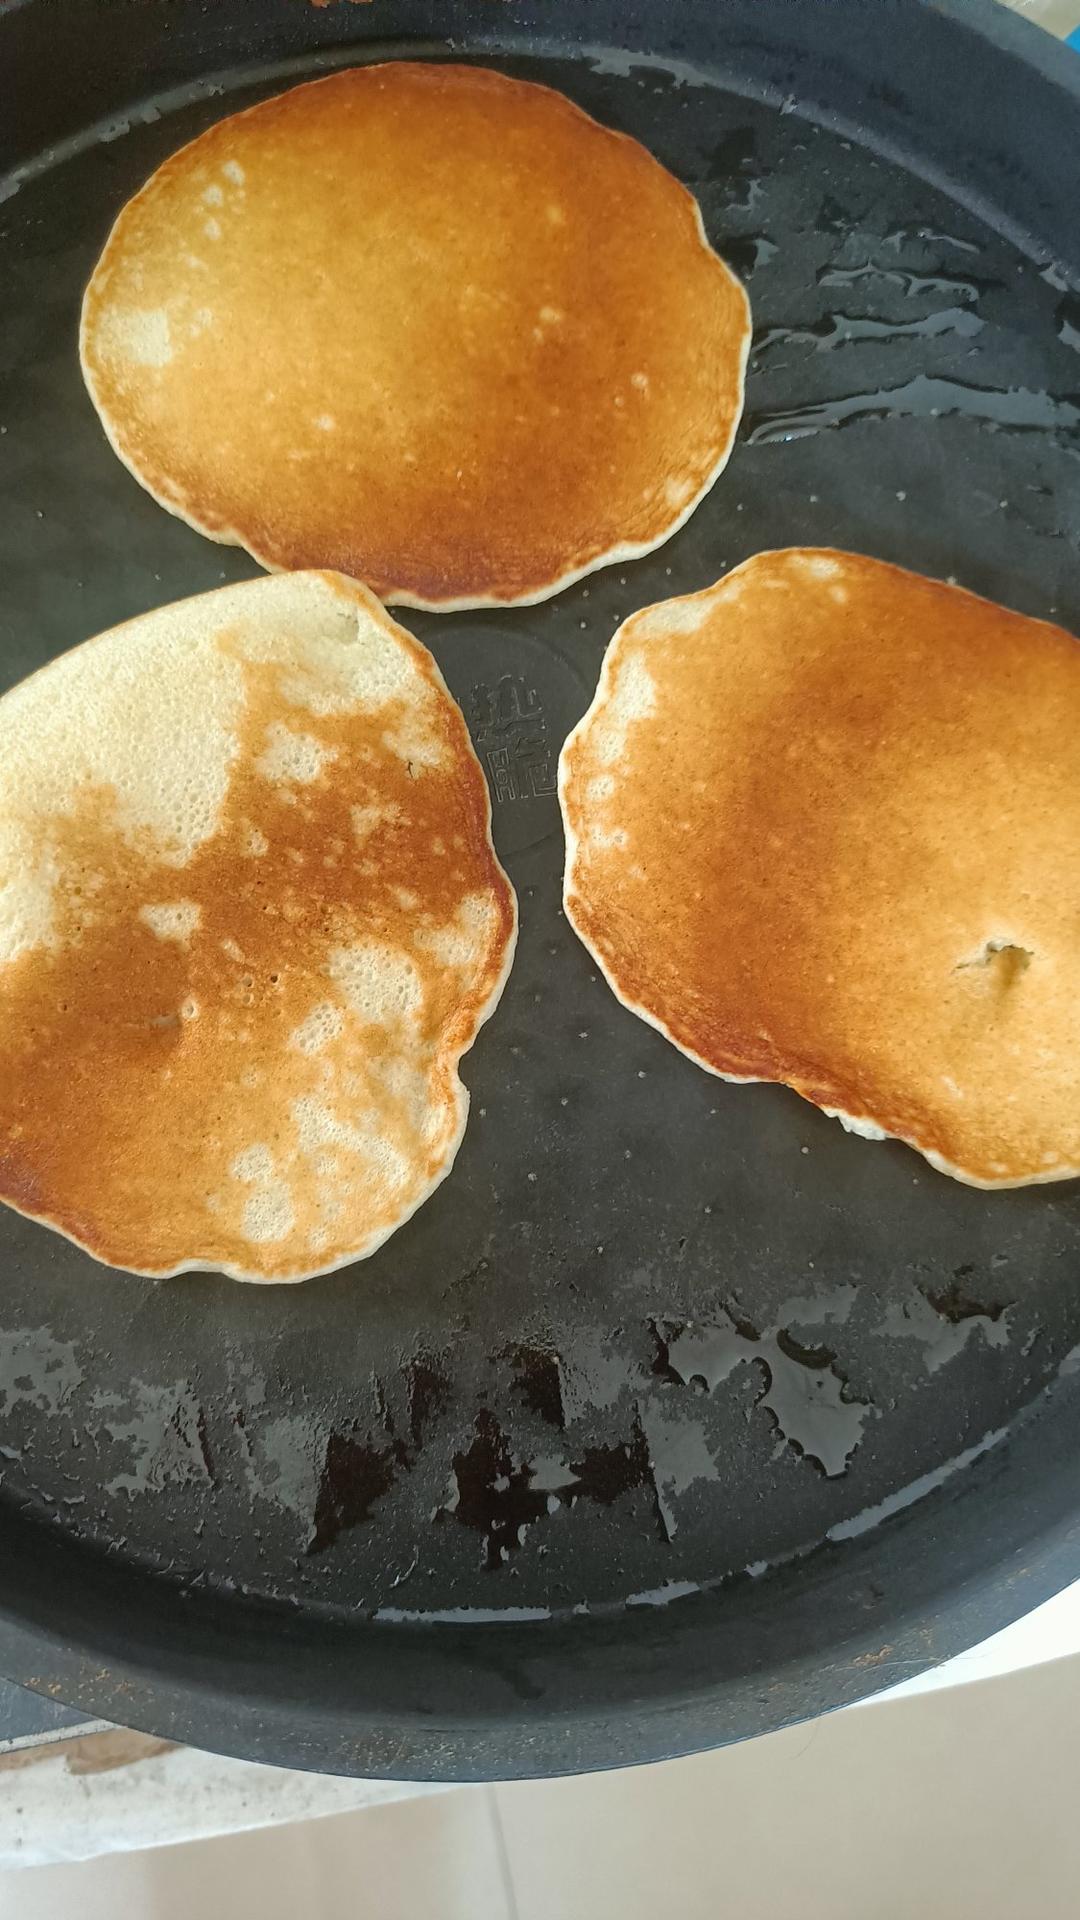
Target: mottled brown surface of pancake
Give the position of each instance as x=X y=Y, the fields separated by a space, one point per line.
x=427 y=324
x=250 y=917
x=823 y=827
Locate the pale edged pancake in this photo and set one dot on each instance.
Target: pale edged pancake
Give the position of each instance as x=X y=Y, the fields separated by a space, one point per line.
x=250 y=918
x=823 y=827
x=427 y=324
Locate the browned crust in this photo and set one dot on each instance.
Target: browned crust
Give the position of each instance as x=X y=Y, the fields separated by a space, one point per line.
x=531 y=356
x=852 y=852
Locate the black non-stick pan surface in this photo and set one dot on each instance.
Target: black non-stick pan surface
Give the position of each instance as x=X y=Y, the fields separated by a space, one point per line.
x=675 y=1414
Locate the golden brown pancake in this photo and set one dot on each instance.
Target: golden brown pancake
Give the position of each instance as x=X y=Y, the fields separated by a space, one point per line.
x=823 y=827
x=426 y=324
x=250 y=918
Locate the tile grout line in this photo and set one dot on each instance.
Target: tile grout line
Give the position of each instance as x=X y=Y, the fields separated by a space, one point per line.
x=503 y=1852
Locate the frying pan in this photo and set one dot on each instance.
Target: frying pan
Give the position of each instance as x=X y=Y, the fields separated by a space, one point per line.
x=676 y=1414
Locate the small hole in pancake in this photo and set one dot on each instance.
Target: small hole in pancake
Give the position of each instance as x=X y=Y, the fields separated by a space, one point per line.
x=1003 y=959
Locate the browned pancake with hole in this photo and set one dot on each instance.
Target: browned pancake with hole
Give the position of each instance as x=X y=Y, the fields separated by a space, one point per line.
x=426 y=324
x=250 y=919
x=823 y=827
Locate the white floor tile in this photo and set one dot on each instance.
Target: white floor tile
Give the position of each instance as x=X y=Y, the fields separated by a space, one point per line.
x=943 y=1806
x=430 y=1859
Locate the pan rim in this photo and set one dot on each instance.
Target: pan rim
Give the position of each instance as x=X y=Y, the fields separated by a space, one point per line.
x=534 y=1739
